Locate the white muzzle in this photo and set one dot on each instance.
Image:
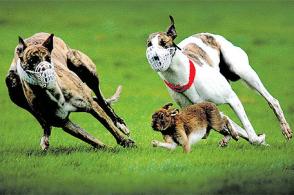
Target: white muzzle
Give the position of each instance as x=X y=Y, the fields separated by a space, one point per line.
x=160 y=58
x=43 y=75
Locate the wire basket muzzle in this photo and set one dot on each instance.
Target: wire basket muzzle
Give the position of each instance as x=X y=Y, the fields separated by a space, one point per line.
x=44 y=74
x=159 y=58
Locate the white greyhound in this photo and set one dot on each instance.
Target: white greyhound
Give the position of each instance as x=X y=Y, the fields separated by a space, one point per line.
x=199 y=69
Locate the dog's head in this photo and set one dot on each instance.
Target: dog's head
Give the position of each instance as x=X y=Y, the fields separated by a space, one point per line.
x=32 y=55
x=34 y=65
x=161 y=48
x=164 y=118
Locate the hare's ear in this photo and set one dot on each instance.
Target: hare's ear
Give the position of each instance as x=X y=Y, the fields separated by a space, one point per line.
x=167 y=106
x=174 y=112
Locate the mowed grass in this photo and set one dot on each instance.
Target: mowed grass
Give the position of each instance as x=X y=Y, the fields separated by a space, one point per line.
x=113 y=34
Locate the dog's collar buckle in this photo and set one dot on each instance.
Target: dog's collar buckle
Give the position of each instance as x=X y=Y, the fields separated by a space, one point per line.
x=181 y=88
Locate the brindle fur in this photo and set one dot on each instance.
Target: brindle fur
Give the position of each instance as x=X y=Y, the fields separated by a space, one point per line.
x=208 y=40
x=224 y=68
x=195 y=53
x=76 y=79
x=163 y=39
x=176 y=126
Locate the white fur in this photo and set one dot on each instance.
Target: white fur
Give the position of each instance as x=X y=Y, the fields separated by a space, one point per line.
x=170 y=146
x=211 y=52
x=211 y=85
x=44 y=142
x=196 y=136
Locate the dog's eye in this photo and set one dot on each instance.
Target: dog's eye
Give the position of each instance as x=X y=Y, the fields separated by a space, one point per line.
x=149 y=44
x=33 y=60
x=162 y=43
x=48 y=58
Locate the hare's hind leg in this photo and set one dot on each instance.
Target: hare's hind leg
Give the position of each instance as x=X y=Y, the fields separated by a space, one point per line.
x=228 y=127
x=221 y=124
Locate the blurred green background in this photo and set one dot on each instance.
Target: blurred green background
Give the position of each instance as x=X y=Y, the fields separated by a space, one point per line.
x=113 y=34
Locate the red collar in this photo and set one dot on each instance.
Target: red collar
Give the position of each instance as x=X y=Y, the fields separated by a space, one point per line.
x=178 y=88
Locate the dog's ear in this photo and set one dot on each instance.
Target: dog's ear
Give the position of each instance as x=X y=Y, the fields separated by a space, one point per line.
x=167 y=106
x=49 y=43
x=171 y=31
x=21 y=47
x=174 y=112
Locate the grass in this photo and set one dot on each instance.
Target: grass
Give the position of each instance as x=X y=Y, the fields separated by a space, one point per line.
x=113 y=34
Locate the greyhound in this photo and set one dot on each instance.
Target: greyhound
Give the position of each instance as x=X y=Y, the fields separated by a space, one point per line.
x=201 y=67
x=51 y=80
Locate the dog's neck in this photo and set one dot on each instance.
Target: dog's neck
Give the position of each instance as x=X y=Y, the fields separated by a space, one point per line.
x=178 y=72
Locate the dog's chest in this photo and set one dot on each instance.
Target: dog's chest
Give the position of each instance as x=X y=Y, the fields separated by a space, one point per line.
x=209 y=85
x=50 y=104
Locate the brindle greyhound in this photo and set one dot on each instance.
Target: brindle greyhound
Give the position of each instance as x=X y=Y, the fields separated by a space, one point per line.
x=72 y=82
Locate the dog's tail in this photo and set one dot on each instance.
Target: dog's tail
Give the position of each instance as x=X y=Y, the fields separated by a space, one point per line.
x=115 y=96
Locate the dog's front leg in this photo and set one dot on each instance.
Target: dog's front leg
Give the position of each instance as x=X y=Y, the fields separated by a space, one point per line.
x=80 y=133
x=45 y=139
x=238 y=108
x=100 y=114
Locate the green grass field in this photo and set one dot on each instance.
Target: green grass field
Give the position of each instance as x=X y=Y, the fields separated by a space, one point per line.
x=114 y=34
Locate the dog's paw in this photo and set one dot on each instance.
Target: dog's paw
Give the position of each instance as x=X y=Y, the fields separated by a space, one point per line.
x=260 y=140
x=286 y=130
x=44 y=143
x=155 y=143
x=127 y=143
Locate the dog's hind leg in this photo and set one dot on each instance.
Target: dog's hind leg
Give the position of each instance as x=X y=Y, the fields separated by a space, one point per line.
x=85 y=68
x=99 y=113
x=80 y=133
x=238 y=63
x=252 y=79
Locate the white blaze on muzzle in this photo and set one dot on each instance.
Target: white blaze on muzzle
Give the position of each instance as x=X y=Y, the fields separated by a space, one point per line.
x=160 y=58
x=43 y=75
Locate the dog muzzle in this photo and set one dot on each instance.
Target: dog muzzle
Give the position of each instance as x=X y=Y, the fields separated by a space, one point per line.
x=160 y=58
x=43 y=75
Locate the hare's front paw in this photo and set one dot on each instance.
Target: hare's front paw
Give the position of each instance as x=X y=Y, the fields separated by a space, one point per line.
x=155 y=143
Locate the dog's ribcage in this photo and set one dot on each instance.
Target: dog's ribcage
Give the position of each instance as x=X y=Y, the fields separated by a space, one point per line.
x=209 y=83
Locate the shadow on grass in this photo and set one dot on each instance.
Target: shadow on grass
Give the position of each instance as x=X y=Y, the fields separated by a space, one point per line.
x=63 y=150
